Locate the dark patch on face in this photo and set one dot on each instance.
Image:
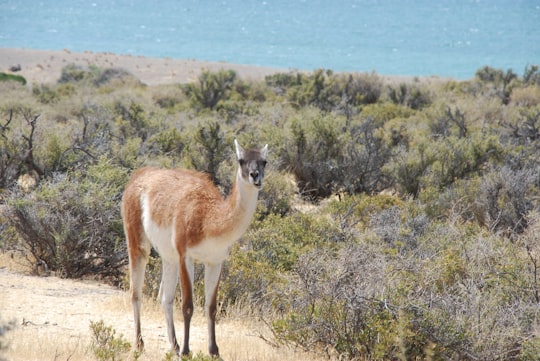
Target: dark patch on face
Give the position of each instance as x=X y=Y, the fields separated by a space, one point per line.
x=252 y=165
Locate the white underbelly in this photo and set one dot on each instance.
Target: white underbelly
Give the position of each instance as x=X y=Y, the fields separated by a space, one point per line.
x=161 y=238
x=209 y=251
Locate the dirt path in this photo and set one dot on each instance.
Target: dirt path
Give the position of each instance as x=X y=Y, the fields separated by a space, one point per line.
x=53 y=316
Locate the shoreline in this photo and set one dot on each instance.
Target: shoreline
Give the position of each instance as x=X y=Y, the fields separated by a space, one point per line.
x=45 y=66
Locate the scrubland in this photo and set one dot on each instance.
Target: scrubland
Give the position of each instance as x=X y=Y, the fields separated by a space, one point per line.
x=398 y=220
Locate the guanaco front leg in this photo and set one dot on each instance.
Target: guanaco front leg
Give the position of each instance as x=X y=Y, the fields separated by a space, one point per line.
x=187 y=269
x=212 y=273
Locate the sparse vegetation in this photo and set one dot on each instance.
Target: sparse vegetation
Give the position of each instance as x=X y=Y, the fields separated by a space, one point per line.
x=106 y=344
x=397 y=221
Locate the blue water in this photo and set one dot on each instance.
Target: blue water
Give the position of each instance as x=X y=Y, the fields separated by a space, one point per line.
x=450 y=38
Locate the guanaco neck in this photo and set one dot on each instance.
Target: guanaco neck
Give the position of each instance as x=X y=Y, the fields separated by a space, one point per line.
x=233 y=218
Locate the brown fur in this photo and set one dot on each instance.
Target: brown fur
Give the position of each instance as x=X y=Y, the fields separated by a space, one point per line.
x=187 y=204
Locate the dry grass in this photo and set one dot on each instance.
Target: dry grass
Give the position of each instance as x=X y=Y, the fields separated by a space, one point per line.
x=53 y=316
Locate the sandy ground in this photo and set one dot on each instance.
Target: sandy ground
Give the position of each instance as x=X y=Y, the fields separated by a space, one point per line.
x=44 y=66
x=52 y=319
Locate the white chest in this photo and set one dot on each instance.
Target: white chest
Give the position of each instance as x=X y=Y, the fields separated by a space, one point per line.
x=210 y=251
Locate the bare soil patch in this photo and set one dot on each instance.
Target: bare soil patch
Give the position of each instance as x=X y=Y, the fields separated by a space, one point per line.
x=53 y=315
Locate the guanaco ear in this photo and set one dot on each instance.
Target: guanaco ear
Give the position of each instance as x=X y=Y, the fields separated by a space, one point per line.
x=264 y=151
x=239 y=150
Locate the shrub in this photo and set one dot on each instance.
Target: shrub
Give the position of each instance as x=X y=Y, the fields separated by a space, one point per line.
x=314 y=154
x=526 y=97
x=364 y=159
x=208 y=150
x=328 y=91
x=528 y=131
x=18 y=144
x=335 y=308
x=106 y=345
x=455 y=158
x=72 y=73
x=71 y=224
x=169 y=98
x=531 y=75
x=45 y=94
x=93 y=75
x=498 y=79
x=409 y=95
x=408 y=167
x=283 y=81
x=132 y=120
x=507 y=195
x=443 y=125
x=270 y=249
x=277 y=194
x=12 y=77
x=327 y=156
x=211 y=88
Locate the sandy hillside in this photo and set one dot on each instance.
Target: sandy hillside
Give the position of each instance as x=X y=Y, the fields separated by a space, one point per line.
x=44 y=66
x=53 y=316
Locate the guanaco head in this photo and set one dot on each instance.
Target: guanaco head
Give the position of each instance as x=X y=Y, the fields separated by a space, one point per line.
x=252 y=163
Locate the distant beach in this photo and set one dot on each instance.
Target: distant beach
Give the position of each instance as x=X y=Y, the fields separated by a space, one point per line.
x=43 y=66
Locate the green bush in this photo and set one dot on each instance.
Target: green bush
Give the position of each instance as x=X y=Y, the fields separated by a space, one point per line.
x=277 y=194
x=326 y=155
x=270 y=248
x=328 y=91
x=45 y=94
x=208 y=150
x=409 y=95
x=531 y=75
x=12 y=77
x=93 y=75
x=455 y=158
x=106 y=345
x=498 y=80
x=211 y=88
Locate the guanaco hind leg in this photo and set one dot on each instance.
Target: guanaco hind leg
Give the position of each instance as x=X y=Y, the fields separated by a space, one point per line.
x=167 y=289
x=187 y=270
x=138 y=258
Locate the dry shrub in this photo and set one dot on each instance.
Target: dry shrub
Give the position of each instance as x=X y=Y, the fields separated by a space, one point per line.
x=71 y=224
x=506 y=195
x=526 y=97
x=408 y=287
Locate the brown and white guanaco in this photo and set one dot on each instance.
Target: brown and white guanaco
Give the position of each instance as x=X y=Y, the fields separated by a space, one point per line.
x=185 y=218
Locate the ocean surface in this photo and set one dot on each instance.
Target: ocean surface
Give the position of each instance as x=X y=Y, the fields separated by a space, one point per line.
x=447 y=38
